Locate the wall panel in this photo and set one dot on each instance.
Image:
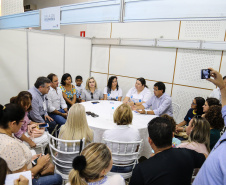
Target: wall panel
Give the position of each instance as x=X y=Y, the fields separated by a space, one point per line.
x=223 y=65
x=189 y=64
x=13 y=62
x=150 y=63
x=100 y=59
x=203 y=30
x=46 y=55
x=146 y=30
x=77 y=57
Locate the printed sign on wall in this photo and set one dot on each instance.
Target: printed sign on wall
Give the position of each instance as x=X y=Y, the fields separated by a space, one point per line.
x=50 y=18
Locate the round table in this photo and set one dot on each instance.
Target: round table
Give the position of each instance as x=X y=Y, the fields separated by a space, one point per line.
x=105 y=121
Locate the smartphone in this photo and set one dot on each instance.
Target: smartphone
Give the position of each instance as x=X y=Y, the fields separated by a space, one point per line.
x=43 y=125
x=95 y=102
x=88 y=113
x=34 y=162
x=205 y=73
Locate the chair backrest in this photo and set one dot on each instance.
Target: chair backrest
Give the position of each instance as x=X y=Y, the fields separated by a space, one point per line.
x=63 y=151
x=124 y=151
x=176 y=110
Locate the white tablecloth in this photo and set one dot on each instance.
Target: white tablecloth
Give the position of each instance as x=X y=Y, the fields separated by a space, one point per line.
x=105 y=121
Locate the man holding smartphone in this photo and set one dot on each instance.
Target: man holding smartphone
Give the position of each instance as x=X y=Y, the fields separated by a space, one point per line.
x=216 y=93
x=40 y=103
x=213 y=170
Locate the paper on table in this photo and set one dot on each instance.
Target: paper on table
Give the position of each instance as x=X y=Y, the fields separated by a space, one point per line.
x=11 y=177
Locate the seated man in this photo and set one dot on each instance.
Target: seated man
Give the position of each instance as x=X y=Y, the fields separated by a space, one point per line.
x=216 y=93
x=171 y=166
x=160 y=102
x=57 y=107
x=39 y=103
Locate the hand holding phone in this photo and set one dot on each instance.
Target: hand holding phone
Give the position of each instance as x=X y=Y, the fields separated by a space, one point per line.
x=43 y=160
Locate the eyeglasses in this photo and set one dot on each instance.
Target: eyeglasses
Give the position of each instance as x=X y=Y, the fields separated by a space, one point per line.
x=198 y=116
x=91 y=95
x=193 y=103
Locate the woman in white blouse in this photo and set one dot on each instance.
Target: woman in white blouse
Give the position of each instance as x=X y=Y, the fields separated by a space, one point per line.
x=123 y=117
x=112 y=91
x=138 y=94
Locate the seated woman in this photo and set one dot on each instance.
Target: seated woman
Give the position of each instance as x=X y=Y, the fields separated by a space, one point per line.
x=138 y=94
x=112 y=91
x=123 y=116
x=214 y=117
x=92 y=166
x=91 y=92
x=198 y=136
x=16 y=154
x=29 y=133
x=175 y=141
x=69 y=92
x=75 y=128
x=196 y=109
x=209 y=102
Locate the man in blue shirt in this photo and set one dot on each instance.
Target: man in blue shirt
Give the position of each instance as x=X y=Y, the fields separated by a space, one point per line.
x=40 y=103
x=160 y=102
x=213 y=171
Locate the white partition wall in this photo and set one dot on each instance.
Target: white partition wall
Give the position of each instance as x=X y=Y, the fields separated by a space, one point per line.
x=141 y=62
x=13 y=64
x=146 y=30
x=77 y=57
x=46 y=55
x=223 y=65
x=26 y=55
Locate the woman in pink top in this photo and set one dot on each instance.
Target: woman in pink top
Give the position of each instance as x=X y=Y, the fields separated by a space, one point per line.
x=198 y=132
x=28 y=128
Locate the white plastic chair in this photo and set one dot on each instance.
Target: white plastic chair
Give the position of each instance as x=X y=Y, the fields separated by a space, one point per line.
x=42 y=148
x=61 y=147
x=176 y=110
x=125 y=151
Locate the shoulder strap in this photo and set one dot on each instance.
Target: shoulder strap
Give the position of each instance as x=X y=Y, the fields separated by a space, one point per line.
x=222 y=141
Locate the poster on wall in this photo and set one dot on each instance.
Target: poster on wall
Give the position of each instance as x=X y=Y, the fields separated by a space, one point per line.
x=50 y=18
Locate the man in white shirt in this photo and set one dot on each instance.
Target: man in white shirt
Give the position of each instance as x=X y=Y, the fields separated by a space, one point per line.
x=160 y=102
x=216 y=93
x=57 y=106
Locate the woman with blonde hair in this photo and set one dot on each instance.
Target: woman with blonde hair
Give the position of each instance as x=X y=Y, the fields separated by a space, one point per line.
x=91 y=91
x=75 y=128
x=123 y=117
x=92 y=166
x=199 y=135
